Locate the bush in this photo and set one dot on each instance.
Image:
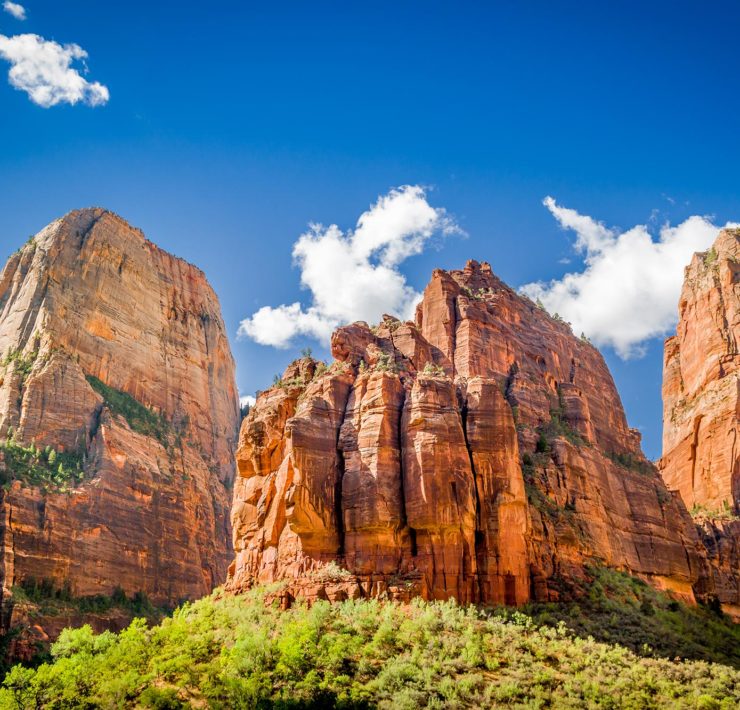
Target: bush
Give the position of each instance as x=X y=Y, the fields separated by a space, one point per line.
x=239 y=652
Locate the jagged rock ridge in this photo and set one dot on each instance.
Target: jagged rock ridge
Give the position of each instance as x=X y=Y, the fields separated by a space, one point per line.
x=115 y=357
x=480 y=452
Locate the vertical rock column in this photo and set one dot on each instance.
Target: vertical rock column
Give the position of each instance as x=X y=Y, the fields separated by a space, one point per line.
x=375 y=538
x=439 y=490
x=503 y=566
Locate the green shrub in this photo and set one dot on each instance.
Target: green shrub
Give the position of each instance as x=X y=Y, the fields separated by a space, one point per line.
x=141 y=419
x=617 y=608
x=47 y=468
x=239 y=652
x=386 y=363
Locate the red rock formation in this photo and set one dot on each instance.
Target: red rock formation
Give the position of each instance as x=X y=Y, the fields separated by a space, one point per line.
x=701 y=410
x=90 y=297
x=481 y=452
x=701 y=382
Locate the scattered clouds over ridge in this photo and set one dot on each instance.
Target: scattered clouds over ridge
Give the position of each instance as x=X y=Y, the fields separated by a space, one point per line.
x=44 y=70
x=628 y=290
x=14 y=9
x=354 y=275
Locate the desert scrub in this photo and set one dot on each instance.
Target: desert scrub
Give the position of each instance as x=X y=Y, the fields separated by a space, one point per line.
x=236 y=651
x=140 y=419
x=614 y=607
x=47 y=468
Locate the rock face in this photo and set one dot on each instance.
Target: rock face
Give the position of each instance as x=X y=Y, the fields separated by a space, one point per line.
x=118 y=416
x=701 y=382
x=480 y=452
x=701 y=408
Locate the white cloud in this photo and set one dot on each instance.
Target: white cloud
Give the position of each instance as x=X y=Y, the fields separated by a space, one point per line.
x=247 y=400
x=629 y=288
x=14 y=9
x=354 y=275
x=43 y=69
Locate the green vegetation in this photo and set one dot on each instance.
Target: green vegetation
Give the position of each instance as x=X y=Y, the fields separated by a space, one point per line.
x=386 y=363
x=617 y=608
x=632 y=462
x=431 y=369
x=557 y=428
x=30 y=241
x=55 y=600
x=532 y=465
x=237 y=652
x=42 y=598
x=725 y=513
x=22 y=363
x=141 y=419
x=710 y=257
x=277 y=381
x=47 y=468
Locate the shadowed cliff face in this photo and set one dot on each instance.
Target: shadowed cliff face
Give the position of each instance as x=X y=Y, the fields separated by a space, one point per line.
x=701 y=408
x=480 y=452
x=116 y=358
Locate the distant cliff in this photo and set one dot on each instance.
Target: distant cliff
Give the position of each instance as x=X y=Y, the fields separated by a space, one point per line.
x=701 y=408
x=480 y=452
x=118 y=418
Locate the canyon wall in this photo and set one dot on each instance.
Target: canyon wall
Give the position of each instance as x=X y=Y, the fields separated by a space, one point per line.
x=118 y=417
x=701 y=408
x=480 y=452
x=701 y=382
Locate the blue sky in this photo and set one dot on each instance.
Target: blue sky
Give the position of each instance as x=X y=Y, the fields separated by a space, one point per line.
x=231 y=126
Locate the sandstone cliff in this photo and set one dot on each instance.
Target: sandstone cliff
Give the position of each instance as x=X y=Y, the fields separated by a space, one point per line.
x=701 y=408
x=480 y=452
x=118 y=416
x=701 y=382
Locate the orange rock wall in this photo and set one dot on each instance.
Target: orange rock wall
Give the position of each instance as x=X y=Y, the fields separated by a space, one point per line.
x=701 y=410
x=90 y=296
x=701 y=382
x=481 y=452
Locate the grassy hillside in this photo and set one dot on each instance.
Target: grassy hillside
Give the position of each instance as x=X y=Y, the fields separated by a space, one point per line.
x=238 y=653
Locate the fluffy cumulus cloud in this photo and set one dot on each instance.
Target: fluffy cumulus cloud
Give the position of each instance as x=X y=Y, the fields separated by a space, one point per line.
x=628 y=290
x=14 y=9
x=44 y=70
x=354 y=275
